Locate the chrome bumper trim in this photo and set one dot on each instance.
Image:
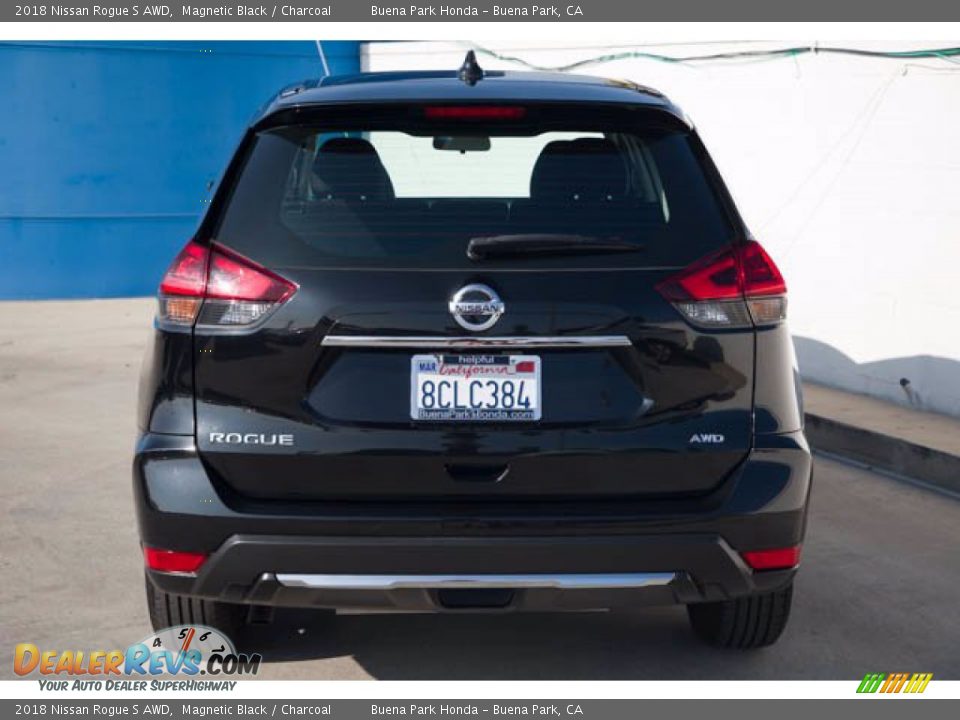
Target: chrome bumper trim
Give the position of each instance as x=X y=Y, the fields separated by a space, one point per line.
x=579 y=581
x=439 y=341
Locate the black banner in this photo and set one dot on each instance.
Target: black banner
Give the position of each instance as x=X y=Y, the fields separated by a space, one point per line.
x=481 y=11
x=449 y=709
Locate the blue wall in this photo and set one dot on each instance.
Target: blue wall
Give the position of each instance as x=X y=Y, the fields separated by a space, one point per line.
x=106 y=150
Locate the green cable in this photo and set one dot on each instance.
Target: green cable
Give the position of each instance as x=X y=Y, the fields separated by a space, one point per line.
x=938 y=53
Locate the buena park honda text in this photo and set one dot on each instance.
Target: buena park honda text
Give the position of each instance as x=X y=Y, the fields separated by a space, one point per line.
x=467 y=340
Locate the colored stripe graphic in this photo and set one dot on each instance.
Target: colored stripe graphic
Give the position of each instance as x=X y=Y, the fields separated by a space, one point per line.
x=919 y=682
x=894 y=683
x=871 y=682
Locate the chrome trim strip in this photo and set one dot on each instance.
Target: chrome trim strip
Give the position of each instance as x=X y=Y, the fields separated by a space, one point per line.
x=578 y=581
x=439 y=341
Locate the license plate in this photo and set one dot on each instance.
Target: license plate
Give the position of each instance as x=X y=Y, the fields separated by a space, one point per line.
x=481 y=388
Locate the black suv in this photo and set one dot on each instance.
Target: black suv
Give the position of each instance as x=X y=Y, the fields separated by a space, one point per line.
x=449 y=341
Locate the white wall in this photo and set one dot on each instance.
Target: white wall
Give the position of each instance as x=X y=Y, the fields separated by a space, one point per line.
x=847 y=169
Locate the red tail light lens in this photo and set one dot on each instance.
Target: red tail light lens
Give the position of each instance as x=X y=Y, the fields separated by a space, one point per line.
x=714 y=277
x=233 y=277
x=760 y=275
x=737 y=286
x=172 y=561
x=214 y=286
x=181 y=290
x=187 y=274
x=474 y=112
x=775 y=559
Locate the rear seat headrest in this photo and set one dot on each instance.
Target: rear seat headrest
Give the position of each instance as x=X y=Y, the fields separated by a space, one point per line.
x=548 y=179
x=350 y=169
x=584 y=169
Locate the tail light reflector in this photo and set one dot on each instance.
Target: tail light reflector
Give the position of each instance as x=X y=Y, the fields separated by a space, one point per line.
x=211 y=285
x=737 y=286
x=775 y=559
x=172 y=561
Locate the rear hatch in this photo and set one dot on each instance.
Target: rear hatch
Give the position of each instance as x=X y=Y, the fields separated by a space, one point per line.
x=555 y=228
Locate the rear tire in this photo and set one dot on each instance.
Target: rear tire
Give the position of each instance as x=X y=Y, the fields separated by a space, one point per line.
x=168 y=609
x=749 y=622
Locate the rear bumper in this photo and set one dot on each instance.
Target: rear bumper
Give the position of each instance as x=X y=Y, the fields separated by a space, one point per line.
x=416 y=556
x=553 y=573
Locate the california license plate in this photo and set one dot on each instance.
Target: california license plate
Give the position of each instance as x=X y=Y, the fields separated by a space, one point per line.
x=483 y=388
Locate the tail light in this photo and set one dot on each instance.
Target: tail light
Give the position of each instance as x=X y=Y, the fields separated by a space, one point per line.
x=773 y=559
x=172 y=561
x=738 y=286
x=214 y=286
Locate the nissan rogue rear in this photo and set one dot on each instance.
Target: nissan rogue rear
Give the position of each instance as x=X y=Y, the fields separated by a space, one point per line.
x=459 y=341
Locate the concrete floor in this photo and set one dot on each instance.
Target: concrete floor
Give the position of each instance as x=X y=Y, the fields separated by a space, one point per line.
x=878 y=590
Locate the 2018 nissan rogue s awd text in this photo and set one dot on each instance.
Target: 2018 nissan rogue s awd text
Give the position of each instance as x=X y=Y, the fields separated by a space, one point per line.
x=450 y=341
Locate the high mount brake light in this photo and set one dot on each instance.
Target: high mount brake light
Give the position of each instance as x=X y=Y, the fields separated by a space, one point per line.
x=214 y=286
x=474 y=112
x=736 y=286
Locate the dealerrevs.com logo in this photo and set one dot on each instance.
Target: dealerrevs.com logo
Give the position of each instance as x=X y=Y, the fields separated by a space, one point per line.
x=182 y=650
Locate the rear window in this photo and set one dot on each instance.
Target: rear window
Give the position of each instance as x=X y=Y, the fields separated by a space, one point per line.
x=416 y=195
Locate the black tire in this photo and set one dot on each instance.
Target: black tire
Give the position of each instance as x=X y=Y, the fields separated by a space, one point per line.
x=749 y=622
x=167 y=609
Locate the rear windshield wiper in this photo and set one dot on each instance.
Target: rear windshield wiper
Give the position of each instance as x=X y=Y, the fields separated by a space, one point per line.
x=546 y=244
